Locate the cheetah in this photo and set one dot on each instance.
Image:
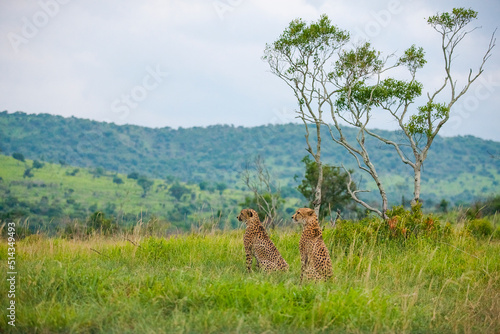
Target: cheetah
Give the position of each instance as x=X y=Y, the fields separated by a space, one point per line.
x=258 y=245
x=315 y=259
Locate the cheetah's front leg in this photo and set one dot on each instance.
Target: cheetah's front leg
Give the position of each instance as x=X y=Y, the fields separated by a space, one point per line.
x=249 y=255
x=303 y=262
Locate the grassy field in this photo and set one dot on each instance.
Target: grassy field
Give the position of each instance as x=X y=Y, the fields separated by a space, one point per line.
x=197 y=283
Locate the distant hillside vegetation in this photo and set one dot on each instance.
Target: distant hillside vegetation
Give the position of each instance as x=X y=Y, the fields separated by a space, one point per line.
x=55 y=197
x=459 y=169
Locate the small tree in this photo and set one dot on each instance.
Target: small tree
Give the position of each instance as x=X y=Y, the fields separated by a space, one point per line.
x=145 y=184
x=37 y=164
x=266 y=199
x=27 y=173
x=117 y=179
x=443 y=206
x=133 y=176
x=98 y=172
x=177 y=191
x=334 y=194
x=97 y=222
x=221 y=186
x=18 y=156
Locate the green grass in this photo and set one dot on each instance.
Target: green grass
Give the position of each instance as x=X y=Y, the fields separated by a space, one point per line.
x=197 y=283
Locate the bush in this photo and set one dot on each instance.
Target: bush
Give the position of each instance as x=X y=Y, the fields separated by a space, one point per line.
x=37 y=164
x=27 y=173
x=98 y=222
x=346 y=231
x=480 y=228
x=403 y=223
x=492 y=206
x=145 y=184
x=483 y=208
x=133 y=175
x=177 y=191
x=496 y=234
x=117 y=180
x=73 y=172
x=18 y=156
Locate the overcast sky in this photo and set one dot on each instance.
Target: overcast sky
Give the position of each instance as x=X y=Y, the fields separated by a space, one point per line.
x=198 y=63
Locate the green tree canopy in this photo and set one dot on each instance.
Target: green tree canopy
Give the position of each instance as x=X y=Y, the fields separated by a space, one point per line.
x=18 y=156
x=177 y=190
x=334 y=194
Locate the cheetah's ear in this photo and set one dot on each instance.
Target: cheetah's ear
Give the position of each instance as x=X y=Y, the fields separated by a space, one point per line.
x=250 y=213
x=310 y=213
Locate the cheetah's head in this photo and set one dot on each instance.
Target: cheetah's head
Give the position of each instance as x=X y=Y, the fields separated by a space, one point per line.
x=304 y=215
x=248 y=215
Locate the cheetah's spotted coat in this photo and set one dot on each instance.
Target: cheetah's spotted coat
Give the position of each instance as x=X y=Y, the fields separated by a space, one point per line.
x=258 y=244
x=315 y=258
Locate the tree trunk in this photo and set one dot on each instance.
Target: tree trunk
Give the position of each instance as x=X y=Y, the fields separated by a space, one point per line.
x=416 y=186
x=317 y=157
x=384 y=199
x=317 y=192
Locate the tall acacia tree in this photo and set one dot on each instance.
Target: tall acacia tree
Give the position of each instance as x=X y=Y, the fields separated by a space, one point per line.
x=346 y=81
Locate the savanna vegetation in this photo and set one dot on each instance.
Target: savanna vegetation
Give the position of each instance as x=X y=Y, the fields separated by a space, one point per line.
x=57 y=198
x=417 y=274
x=458 y=169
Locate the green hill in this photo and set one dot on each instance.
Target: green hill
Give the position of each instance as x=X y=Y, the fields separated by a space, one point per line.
x=458 y=169
x=54 y=196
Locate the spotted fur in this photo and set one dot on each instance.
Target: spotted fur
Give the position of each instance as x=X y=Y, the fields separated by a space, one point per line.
x=315 y=259
x=258 y=244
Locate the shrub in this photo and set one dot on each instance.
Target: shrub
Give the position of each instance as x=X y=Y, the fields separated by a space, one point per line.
x=73 y=172
x=18 y=156
x=492 y=206
x=133 y=175
x=98 y=222
x=496 y=234
x=403 y=223
x=483 y=208
x=117 y=180
x=480 y=228
x=27 y=173
x=37 y=164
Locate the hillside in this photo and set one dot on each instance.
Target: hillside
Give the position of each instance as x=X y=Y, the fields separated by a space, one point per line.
x=54 y=196
x=458 y=169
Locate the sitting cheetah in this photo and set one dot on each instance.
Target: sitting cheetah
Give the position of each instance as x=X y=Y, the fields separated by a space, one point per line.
x=258 y=244
x=314 y=256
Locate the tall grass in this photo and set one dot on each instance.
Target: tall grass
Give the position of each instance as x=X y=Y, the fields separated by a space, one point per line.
x=197 y=283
